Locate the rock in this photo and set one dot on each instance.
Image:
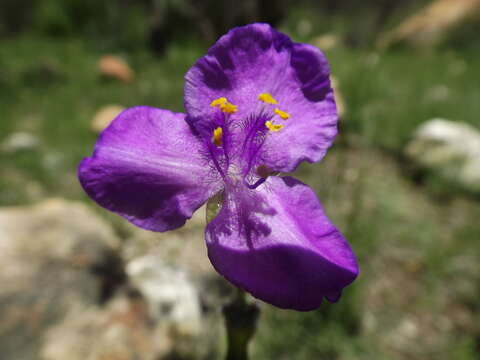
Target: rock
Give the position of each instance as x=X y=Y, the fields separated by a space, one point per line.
x=64 y=231
x=116 y=68
x=396 y=313
x=452 y=149
x=327 y=41
x=185 y=249
x=65 y=295
x=433 y=23
x=161 y=314
x=124 y=329
x=183 y=292
x=339 y=99
x=167 y=289
x=174 y=305
x=104 y=116
x=19 y=141
x=304 y=27
x=55 y=257
x=121 y=331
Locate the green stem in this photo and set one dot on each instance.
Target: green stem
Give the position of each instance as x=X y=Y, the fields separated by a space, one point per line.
x=241 y=323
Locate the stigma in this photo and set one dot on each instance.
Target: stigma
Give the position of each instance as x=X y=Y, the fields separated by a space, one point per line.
x=284 y=115
x=224 y=105
x=273 y=127
x=267 y=98
x=217 y=136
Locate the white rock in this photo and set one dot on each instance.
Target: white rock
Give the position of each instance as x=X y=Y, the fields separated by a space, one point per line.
x=19 y=141
x=167 y=289
x=451 y=148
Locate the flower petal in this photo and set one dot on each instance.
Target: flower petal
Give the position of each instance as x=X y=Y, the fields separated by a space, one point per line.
x=147 y=167
x=256 y=59
x=277 y=243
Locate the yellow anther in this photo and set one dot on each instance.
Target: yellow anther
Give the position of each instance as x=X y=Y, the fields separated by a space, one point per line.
x=228 y=108
x=273 y=127
x=217 y=136
x=267 y=98
x=284 y=115
x=218 y=101
x=224 y=105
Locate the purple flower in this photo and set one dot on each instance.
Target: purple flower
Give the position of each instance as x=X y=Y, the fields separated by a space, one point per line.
x=257 y=104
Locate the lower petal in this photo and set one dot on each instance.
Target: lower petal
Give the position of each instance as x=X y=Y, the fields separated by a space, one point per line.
x=147 y=167
x=277 y=243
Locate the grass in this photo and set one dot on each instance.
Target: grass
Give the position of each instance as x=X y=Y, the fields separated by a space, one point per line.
x=51 y=89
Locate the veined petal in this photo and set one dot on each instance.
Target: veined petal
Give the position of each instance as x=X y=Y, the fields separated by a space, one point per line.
x=147 y=166
x=253 y=60
x=277 y=243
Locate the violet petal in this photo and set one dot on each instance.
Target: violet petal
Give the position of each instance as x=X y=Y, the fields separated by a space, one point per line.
x=147 y=166
x=256 y=59
x=277 y=243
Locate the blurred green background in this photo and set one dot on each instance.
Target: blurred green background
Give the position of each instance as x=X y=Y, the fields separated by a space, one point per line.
x=415 y=228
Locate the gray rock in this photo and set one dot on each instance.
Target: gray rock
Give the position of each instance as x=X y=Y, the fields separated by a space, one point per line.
x=450 y=148
x=55 y=257
x=163 y=311
x=183 y=292
x=121 y=330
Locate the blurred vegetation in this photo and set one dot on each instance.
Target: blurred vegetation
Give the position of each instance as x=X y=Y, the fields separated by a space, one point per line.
x=49 y=87
x=130 y=24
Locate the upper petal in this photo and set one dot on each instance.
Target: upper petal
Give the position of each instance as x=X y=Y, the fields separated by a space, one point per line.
x=277 y=243
x=256 y=59
x=147 y=166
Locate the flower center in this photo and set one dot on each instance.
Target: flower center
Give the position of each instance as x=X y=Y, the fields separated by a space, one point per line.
x=236 y=142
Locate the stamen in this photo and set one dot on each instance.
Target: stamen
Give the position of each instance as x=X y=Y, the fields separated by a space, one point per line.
x=217 y=136
x=284 y=115
x=224 y=105
x=218 y=101
x=267 y=98
x=273 y=127
x=228 y=108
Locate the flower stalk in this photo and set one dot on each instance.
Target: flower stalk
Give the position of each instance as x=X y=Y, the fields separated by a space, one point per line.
x=241 y=323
